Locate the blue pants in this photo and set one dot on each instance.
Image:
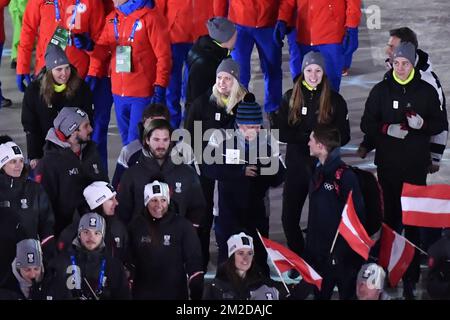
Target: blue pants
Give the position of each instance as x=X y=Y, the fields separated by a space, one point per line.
x=295 y=58
x=270 y=57
x=334 y=60
x=348 y=61
x=102 y=114
x=128 y=113
x=178 y=81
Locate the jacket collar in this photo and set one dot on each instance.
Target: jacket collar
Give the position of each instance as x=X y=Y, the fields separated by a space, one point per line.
x=132 y=6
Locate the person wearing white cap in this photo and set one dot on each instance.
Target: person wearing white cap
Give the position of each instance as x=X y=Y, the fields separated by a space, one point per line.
x=26 y=199
x=100 y=197
x=165 y=250
x=70 y=162
x=86 y=271
x=25 y=282
x=401 y=114
x=238 y=278
x=370 y=283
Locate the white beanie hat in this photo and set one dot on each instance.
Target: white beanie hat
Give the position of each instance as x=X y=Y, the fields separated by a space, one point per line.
x=155 y=189
x=372 y=275
x=97 y=193
x=8 y=152
x=239 y=241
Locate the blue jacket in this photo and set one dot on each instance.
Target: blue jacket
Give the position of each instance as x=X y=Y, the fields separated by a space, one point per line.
x=325 y=209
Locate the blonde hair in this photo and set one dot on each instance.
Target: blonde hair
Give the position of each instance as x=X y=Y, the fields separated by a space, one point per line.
x=297 y=101
x=237 y=93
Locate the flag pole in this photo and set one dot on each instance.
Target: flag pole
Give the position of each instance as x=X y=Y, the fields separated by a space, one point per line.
x=271 y=260
x=334 y=241
x=408 y=241
x=415 y=246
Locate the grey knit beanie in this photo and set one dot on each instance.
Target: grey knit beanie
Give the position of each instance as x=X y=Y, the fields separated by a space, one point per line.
x=220 y=29
x=230 y=66
x=55 y=57
x=313 y=57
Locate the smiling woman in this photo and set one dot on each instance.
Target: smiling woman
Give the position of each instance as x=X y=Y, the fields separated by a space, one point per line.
x=57 y=85
x=238 y=278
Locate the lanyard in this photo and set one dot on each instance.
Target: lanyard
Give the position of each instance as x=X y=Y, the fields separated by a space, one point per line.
x=74 y=14
x=72 y=20
x=101 y=275
x=133 y=30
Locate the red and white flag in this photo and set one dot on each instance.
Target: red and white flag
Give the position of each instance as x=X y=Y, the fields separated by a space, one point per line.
x=353 y=231
x=426 y=206
x=396 y=253
x=284 y=259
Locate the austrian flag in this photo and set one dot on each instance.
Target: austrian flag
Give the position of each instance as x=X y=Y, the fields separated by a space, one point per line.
x=284 y=259
x=426 y=206
x=396 y=253
x=353 y=231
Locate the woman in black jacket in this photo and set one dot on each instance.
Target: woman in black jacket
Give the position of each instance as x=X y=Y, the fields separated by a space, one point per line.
x=309 y=102
x=100 y=198
x=214 y=109
x=238 y=278
x=57 y=85
x=25 y=200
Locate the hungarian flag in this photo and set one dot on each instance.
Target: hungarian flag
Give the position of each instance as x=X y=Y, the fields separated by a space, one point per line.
x=396 y=253
x=353 y=231
x=426 y=206
x=284 y=259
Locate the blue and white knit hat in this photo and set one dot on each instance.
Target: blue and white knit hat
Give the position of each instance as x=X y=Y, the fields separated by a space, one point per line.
x=248 y=111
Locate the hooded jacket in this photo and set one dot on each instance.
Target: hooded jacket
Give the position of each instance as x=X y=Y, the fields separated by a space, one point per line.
x=64 y=176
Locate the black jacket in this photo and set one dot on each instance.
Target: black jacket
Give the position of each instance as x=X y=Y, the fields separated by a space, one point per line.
x=37 y=116
x=11 y=232
x=438 y=280
x=64 y=176
x=87 y=268
x=164 y=252
x=387 y=104
x=203 y=60
x=116 y=236
x=255 y=286
x=297 y=136
x=182 y=180
x=31 y=204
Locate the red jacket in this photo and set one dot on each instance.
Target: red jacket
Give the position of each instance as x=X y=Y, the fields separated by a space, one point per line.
x=250 y=13
x=109 y=6
x=3 y=4
x=321 y=21
x=186 y=18
x=150 y=52
x=39 y=20
x=203 y=10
